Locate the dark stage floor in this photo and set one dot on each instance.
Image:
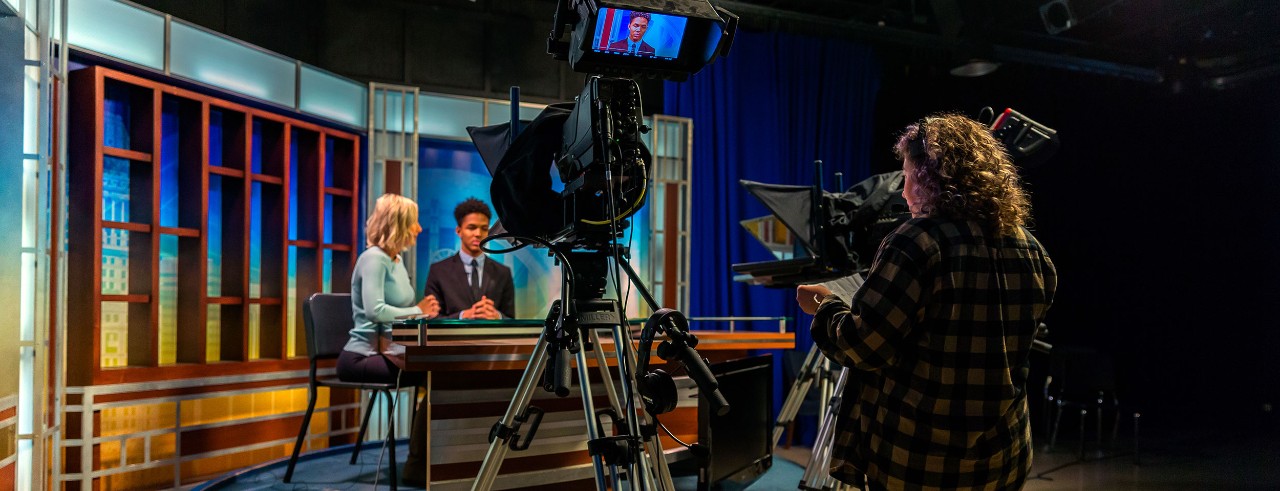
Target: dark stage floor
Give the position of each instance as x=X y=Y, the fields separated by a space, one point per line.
x=1167 y=459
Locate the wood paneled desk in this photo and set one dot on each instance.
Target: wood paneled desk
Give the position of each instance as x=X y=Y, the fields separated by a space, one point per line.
x=473 y=368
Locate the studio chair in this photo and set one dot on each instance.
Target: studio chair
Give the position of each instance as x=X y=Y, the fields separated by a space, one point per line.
x=326 y=317
x=1082 y=381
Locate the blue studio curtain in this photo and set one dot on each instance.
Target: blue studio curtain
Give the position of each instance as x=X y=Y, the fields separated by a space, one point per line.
x=765 y=113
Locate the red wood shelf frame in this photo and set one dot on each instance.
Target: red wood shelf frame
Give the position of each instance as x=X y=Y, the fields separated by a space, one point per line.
x=239 y=179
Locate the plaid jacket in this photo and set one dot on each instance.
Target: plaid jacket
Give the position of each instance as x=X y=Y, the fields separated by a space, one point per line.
x=939 y=336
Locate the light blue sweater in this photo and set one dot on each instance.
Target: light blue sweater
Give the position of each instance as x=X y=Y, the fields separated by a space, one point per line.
x=380 y=292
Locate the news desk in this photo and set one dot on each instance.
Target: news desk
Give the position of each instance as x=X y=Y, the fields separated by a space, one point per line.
x=472 y=369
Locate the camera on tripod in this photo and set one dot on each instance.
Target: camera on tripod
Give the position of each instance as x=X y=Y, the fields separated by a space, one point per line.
x=601 y=160
x=596 y=142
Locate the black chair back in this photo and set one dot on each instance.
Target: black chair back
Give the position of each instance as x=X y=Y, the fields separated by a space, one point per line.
x=326 y=317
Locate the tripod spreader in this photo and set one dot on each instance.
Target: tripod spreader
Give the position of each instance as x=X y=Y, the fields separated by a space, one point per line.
x=532 y=415
x=616 y=450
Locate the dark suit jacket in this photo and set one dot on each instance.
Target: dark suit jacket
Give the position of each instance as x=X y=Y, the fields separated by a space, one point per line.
x=622 y=45
x=447 y=280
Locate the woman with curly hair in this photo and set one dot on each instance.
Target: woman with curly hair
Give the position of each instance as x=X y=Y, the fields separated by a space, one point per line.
x=939 y=333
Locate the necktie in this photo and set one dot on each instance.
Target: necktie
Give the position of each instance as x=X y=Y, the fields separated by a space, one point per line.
x=635 y=47
x=475 y=279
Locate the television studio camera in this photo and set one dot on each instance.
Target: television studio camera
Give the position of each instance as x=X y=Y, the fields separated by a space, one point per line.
x=596 y=146
x=818 y=235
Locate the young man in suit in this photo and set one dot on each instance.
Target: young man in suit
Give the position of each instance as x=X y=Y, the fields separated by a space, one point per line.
x=634 y=43
x=469 y=284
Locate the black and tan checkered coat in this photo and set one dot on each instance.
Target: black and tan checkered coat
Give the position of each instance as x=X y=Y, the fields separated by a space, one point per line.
x=939 y=336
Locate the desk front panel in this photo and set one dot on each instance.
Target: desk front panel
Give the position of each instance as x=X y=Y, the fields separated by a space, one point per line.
x=474 y=379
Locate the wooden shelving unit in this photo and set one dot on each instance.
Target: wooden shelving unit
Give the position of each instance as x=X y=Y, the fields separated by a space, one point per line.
x=242 y=188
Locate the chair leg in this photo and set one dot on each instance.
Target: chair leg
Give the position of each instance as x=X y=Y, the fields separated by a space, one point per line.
x=1098 y=423
x=364 y=425
x=1115 y=427
x=1057 y=422
x=302 y=432
x=1083 y=414
x=391 y=438
x=1137 y=417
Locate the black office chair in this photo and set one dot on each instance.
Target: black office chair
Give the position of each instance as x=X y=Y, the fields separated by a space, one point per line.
x=1083 y=379
x=327 y=320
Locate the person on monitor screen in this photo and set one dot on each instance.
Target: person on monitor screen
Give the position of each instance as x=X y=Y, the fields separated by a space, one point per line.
x=940 y=331
x=634 y=43
x=381 y=292
x=468 y=284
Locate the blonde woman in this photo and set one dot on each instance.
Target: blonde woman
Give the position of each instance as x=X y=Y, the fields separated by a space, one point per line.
x=380 y=292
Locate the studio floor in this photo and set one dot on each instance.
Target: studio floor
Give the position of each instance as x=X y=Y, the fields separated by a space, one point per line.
x=1167 y=460
x=1171 y=460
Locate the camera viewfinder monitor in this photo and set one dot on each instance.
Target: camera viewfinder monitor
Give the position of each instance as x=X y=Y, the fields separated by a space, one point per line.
x=614 y=38
x=639 y=34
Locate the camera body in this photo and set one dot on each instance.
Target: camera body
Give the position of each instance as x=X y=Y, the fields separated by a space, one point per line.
x=597 y=142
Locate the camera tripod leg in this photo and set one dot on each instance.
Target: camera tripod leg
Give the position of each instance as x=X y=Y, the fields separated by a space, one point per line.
x=650 y=463
x=605 y=375
x=809 y=371
x=606 y=379
x=589 y=409
x=816 y=473
x=519 y=403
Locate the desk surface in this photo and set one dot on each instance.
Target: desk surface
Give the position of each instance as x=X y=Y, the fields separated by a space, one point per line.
x=450 y=351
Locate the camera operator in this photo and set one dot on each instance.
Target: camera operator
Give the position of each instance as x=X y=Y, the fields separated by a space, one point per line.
x=940 y=331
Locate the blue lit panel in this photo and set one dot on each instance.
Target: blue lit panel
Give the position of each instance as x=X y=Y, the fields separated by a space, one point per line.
x=448 y=117
x=115 y=189
x=255 y=241
x=168 y=299
x=229 y=65
x=291 y=302
x=213 y=285
x=328 y=164
x=328 y=219
x=333 y=97
x=500 y=112
x=293 y=193
x=215 y=138
x=327 y=276
x=169 y=145
x=398 y=108
x=118 y=30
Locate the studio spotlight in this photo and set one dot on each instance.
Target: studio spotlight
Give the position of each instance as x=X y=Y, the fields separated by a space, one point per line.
x=1057 y=16
x=975 y=67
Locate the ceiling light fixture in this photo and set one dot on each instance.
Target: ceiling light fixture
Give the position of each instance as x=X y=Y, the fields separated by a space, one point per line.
x=975 y=67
